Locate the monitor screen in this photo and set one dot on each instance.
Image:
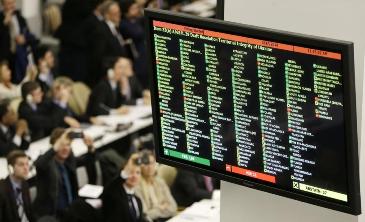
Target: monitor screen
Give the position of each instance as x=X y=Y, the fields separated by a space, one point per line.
x=266 y=109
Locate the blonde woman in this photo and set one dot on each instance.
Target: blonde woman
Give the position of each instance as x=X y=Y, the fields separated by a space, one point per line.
x=158 y=203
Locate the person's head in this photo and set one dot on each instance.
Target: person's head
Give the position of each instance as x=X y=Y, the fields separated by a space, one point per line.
x=18 y=163
x=148 y=168
x=8 y=5
x=8 y=116
x=134 y=176
x=32 y=92
x=111 y=12
x=45 y=56
x=60 y=138
x=118 y=67
x=126 y=67
x=130 y=9
x=5 y=72
x=61 y=88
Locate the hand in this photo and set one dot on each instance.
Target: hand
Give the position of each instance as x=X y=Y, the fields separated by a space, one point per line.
x=146 y=97
x=31 y=73
x=60 y=142
x=20 y=39
x=43 y=67
x=21 y=127
x=89 y=142
x=131 y=162
x=123 y=110
x=72 y=122
x=96 y=121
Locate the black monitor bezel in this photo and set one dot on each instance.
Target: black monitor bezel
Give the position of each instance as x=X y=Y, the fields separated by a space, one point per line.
x=345 y=48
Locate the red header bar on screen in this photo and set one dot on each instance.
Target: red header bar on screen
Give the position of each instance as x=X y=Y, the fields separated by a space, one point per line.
x=259 y=42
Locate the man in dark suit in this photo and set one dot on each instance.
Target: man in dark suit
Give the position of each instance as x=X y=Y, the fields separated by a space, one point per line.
x=190 y=187
x=106 y=98
x=15 y=204
x=13 y=133
x=119 y=201
x=113 y=43
x=36 y=112
x=15 y=38
x=57 y=185
x=94 y=35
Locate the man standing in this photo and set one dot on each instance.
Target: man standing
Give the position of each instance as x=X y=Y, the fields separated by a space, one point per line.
x=15 y=39
x=15 y=205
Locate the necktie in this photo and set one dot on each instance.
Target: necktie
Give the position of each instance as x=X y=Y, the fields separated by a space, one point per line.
x=20 y=204
x=132 y=208
x=66 y=183
x=8 y=135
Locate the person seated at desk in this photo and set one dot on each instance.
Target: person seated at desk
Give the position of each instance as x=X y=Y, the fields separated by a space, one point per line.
x=190 y=187
x=106 y=97
x=57 y=185
x=46 y=64
x=8 y=90
x=35 y=111
x=65 y=117
x=130 y=87
x=119 y=200
x=15 y=203
x=13 y=132
x=158 y=203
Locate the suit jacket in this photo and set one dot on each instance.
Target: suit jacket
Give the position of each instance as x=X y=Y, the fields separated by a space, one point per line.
x=94 y=35
x=136 y=91
x=7 y=145
x=8 y=206
x=59 y=113
x=41 y=122
x=103 y=97
x=115 y=203
x=111 y=47
x=48 y=178
x=188 y=188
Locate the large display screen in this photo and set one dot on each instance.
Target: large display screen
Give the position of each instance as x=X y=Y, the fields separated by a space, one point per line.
x=257 y=107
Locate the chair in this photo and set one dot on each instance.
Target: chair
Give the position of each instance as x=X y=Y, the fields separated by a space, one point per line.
x=167 y=173
x=80 y=97
x=14 y=104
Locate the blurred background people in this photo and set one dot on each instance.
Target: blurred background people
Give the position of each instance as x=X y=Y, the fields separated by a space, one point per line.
x=132 y=27
x=113 y=43
x=158 y=203
x=16 y=41
x=14 y=133
x=15 y=202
